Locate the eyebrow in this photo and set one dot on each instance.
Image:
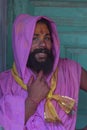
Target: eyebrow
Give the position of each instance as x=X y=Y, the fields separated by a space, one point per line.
x=48 y=34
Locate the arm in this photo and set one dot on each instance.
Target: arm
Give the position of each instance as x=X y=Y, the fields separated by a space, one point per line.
x=30 y=108
x=37 y=91
x=83 y=82
x=83 y=85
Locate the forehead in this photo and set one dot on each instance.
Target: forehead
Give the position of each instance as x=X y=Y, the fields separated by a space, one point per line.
x=41 y=28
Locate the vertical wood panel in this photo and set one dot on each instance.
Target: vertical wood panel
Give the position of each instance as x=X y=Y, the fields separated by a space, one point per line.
x=3 y=32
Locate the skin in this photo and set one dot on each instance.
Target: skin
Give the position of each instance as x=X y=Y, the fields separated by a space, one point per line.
x=83 y=81
x=42 y=39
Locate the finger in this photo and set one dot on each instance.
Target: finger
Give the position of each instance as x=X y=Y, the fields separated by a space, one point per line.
x=40 y=75
x=30 y=81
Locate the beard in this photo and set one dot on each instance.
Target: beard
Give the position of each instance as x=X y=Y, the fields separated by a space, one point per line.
x=46 y=66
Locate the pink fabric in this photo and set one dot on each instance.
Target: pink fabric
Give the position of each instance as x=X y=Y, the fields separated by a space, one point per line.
x=12 y=96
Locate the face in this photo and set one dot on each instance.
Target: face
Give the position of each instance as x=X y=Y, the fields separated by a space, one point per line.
x=41 y=56
x=41 y=40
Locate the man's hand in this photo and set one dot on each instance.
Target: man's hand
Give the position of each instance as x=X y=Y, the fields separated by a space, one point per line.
x=38 y=89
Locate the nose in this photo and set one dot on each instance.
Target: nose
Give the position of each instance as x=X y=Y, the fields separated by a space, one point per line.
x=42 y=43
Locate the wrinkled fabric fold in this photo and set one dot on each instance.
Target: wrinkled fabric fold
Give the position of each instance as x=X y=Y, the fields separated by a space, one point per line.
x=65 y=102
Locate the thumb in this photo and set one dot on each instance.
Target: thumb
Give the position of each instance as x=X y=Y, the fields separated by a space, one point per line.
x=30 y=80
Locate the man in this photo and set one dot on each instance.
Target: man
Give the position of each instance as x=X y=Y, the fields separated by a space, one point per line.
x=41 y=91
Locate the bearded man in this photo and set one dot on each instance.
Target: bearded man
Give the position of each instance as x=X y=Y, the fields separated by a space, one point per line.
x=41 y=90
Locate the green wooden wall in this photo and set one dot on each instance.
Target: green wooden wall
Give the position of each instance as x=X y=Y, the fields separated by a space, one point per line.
x=71 y=19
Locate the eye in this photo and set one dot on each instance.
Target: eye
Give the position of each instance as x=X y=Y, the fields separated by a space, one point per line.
x=35 y=39
x=47 y=38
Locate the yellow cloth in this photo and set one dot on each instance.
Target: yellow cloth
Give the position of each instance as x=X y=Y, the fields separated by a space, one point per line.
x=50 y=114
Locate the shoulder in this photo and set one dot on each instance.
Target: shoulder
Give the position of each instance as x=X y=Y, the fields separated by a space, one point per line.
x=70 y=67
x=65 y=62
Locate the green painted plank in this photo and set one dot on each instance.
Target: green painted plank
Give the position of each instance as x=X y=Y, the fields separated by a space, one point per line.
x=81 y=121
x=73 y=39
x=61 y=12
x=71 y=29
x=65 y=17
x=51 y=3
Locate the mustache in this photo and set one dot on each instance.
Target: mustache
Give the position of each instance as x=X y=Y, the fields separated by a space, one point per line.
x=41 y=50
x=46 y=66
